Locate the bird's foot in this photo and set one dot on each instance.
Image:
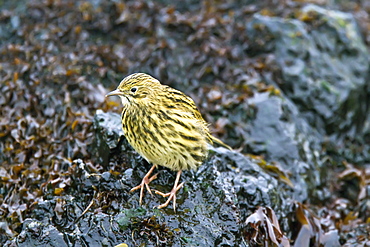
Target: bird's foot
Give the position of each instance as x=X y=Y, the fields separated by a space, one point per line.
x=145 y=183
x=171 y=196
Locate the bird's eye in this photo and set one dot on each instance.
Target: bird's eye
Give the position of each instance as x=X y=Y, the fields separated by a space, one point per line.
x=133 y=89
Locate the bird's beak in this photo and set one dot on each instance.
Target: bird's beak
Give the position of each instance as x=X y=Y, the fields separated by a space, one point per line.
x=115 y=92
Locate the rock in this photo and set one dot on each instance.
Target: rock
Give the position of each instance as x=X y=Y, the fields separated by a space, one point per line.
x=323 y=65
x=210 y=207
x=283 y=137
x=107 y=136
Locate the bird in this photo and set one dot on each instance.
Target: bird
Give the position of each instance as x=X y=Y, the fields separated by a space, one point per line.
x=165 y=127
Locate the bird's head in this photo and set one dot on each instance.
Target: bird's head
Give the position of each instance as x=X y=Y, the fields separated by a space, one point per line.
x=135 y=88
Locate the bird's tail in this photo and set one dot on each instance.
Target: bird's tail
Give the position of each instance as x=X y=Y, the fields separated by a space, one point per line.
x=220 y=143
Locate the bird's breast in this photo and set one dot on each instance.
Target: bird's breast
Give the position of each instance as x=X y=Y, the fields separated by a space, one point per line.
x=177 y=141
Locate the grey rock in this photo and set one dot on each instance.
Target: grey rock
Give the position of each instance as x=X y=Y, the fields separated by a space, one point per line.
x=323 y=64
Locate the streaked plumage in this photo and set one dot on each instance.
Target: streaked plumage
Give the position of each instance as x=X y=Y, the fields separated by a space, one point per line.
x=164 y=126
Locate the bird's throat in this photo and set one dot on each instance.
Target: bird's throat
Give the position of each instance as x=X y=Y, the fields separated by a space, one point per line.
x=125 y=101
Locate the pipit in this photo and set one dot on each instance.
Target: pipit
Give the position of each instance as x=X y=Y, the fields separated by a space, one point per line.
x=165 y=127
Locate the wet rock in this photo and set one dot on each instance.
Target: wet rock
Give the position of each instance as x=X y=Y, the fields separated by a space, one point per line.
x=36 y=233
x=107 y=135
x=210 y=208
x=275 y=130
x=322 y=65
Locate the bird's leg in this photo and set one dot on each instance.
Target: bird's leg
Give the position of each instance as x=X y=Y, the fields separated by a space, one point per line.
x=145 y=182
x=171 y=195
